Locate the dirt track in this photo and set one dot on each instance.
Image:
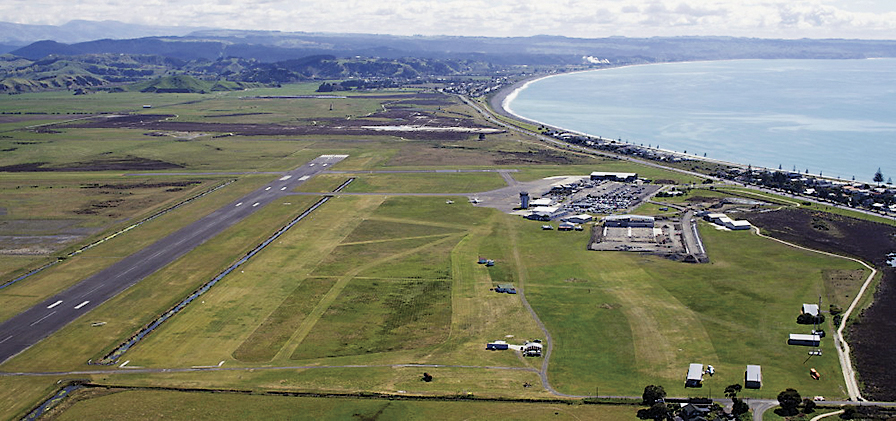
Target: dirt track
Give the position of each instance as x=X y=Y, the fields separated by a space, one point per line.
x=433 y=126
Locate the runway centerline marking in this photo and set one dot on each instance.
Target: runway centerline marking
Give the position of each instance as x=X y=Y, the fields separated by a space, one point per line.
x=42 y=318
x=239 y=204
x=54 y=304
x=256 y=204
x=78 y=307
x=7 y=338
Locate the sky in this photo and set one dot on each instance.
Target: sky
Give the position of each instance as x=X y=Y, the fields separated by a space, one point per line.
x=863 y=19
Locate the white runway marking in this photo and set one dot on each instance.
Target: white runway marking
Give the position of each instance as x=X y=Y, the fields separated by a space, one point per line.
x=269 y=187
x=42 y=318
x=54 y=304
x=256 y=204
x=285 y=177
x=77 y=307
x=304 y=177
x=283 y=188
x=239 y=204
x=7 y=338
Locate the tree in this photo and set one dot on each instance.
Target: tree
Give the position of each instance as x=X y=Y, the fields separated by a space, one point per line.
x=732 y=390
x=789 y=400
x=652 y=394
x=808 y=406
x=658 y=411
x=739 y=407
x=878 y=176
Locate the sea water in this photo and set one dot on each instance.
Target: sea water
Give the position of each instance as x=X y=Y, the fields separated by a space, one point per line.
x=836 y=118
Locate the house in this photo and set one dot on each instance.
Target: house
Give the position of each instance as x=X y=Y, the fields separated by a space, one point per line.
x=753 y=377
x=695 y=376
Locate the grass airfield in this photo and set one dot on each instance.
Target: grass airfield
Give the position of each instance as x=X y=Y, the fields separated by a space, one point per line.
x=372 y=283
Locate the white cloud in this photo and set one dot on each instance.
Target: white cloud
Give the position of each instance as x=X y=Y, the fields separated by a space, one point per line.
x=575 y=18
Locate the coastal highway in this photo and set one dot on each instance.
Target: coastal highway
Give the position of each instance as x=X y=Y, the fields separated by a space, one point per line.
x=31 y=326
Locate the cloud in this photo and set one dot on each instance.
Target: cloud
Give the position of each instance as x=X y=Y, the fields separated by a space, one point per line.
x=574 y=18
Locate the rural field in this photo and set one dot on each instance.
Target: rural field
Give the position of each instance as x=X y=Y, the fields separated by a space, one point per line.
x=379 y=284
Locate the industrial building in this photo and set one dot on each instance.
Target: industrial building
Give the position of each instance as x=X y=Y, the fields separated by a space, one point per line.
x=629 y=221
x=695 y=376
x=614 y=176
x=753 y=377
x=578 y=219
x=725 y=221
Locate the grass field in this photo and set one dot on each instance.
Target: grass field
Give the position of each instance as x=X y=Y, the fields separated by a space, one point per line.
x=127 y=404
x=351 y=298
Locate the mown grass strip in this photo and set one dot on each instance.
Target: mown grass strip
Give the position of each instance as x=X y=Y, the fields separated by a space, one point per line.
x=264 y=343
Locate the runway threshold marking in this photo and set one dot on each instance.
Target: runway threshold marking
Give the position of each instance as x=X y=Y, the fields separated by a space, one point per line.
x=42 y=318
x=255 y=204
x=283 y=188
x=269 y=187
x=304 y=177
x=77 y=307
x=54 y=304
x=239 y=204
x=285 y=177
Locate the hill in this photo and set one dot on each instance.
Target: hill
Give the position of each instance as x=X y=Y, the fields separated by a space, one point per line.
x=186 y=84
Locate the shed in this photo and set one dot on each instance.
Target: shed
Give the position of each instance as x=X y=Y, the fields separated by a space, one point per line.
x=753 y=377
x=532 y=348
x=497 y=345
x=507 y=288
x=810 y=309
x=804 y=340
x=566 y=226
x=695 y=376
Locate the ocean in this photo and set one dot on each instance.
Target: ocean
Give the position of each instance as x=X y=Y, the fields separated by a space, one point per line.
x=835 y=118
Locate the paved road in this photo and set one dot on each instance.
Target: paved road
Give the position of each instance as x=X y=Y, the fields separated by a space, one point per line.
x=31 y=326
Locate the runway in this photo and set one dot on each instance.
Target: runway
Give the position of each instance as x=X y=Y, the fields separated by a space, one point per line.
x=31 y=326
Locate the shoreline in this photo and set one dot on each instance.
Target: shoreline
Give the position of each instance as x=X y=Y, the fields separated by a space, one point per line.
x=498 y=101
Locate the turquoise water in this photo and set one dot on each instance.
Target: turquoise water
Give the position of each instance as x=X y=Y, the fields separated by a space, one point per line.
x=834 y=117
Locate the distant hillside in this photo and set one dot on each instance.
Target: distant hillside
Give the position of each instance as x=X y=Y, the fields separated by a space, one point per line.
x=186 y=84
x=16 y=34
x=86 y=72
x=271 y=57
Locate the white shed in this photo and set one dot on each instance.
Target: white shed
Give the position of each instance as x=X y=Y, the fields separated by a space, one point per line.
x=695 y=375
x=753 y=377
